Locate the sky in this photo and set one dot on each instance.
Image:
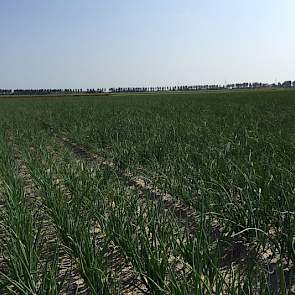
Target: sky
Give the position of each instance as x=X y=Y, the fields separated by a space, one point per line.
x=112 y=43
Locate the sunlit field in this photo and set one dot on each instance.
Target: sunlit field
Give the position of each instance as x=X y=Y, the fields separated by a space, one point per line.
x=184 y=193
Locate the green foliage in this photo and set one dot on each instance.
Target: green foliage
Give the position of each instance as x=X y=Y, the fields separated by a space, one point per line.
x=228 y=155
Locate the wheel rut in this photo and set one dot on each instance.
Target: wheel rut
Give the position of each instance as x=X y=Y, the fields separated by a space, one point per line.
x=186 y=215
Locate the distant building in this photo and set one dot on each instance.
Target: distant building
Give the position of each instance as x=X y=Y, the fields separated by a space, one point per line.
x=287 y=84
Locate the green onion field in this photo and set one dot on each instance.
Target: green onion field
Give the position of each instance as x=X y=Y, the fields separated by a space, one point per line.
x=162 y=193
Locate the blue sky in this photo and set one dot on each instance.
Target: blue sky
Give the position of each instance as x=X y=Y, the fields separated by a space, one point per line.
x=106 y=43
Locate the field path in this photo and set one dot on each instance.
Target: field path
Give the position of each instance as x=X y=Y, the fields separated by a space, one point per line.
x=185 y=214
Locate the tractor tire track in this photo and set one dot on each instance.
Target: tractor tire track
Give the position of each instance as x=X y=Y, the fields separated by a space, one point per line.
x=185 y=214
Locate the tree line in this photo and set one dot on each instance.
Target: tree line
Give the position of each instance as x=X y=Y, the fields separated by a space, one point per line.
x=50 y=91
x=246 y=85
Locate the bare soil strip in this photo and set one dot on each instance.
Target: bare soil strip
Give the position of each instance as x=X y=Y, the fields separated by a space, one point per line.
x=124 y=274
x=185 y=214
x=67 y=270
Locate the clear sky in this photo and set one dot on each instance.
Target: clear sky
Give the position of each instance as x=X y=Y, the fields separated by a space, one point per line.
x=106 y=43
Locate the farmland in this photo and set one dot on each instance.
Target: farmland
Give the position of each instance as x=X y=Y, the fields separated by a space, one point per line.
x=186 y=193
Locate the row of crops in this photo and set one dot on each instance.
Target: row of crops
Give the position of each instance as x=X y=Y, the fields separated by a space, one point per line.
x=71 y=225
